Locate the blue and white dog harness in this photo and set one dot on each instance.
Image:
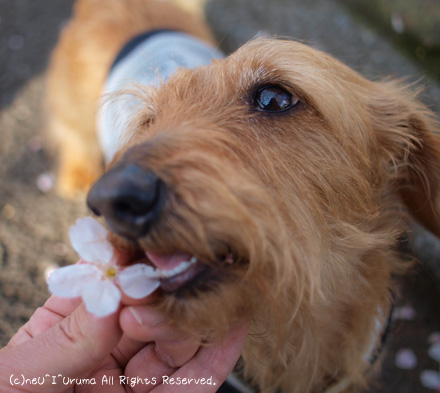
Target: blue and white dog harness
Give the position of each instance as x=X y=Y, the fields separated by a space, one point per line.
x=147 y=60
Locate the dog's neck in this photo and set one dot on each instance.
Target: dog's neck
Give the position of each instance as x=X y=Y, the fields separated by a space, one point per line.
x=383 y=326
x=147 y=60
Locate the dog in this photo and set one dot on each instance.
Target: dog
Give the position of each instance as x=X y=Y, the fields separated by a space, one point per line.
x=285 y=176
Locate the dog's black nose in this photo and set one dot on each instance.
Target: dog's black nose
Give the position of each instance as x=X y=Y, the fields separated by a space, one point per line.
x=130 y=199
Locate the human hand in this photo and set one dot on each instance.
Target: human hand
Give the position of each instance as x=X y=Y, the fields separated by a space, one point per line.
x=63 y=346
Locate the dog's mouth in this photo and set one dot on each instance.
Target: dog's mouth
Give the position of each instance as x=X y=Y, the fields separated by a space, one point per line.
x=176 y=270
x=182 y=271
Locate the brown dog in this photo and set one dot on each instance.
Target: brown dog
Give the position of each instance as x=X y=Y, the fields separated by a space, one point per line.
x=283 y=174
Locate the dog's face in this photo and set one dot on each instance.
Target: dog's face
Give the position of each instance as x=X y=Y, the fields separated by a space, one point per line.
x=280 y=170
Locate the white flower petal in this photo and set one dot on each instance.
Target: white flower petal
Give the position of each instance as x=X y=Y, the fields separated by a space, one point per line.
x=430 y=379
x=138 y=281
x=102 y=298
x=89 y=239
x=405 y=313
x=70 y=281
x=406 y=359
x=434 y=351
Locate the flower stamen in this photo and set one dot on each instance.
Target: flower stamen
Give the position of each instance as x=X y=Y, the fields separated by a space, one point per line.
x=111 y=272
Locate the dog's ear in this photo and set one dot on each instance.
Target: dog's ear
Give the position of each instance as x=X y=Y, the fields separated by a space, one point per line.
x=408 y=139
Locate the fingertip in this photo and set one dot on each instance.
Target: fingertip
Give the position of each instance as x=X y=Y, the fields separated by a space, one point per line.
x=62 y=306
x=127 y=319
x=138 y=322
x=109 y=322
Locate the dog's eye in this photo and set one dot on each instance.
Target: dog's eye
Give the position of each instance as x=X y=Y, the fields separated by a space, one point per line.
x=274 y=99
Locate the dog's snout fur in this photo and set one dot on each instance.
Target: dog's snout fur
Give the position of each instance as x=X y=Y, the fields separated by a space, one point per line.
x=130 y=199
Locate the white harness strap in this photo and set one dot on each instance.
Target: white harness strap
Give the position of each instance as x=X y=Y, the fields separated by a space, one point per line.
x=152 y=61
x=378 y=337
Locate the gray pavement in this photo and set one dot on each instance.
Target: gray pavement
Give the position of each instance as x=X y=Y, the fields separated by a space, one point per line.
x=34 y=221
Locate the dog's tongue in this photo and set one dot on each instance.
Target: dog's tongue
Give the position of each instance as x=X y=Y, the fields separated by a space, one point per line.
x=167 y=261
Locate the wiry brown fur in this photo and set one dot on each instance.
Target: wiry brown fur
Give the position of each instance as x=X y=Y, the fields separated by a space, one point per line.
x=310 y=201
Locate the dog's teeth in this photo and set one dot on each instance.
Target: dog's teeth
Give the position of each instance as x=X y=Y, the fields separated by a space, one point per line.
x=178 y=269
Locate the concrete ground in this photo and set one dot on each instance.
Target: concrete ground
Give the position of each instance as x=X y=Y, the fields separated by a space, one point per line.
x=34 y=221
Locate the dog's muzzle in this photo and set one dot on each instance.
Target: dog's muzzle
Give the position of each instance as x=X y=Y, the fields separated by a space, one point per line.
x=129 y=197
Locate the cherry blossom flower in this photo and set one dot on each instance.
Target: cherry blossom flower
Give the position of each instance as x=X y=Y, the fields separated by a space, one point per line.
x=406 y=359
x=97 y=279
x=405 y=313
x=434 y=351
x=430 y=379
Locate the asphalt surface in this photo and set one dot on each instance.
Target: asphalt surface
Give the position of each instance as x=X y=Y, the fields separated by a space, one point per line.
x=34 y=221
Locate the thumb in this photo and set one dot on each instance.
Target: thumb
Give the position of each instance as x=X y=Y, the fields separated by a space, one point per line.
x=72 y=348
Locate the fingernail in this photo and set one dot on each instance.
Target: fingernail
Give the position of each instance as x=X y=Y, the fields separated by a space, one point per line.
x=136 y=316
x=147 y=320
